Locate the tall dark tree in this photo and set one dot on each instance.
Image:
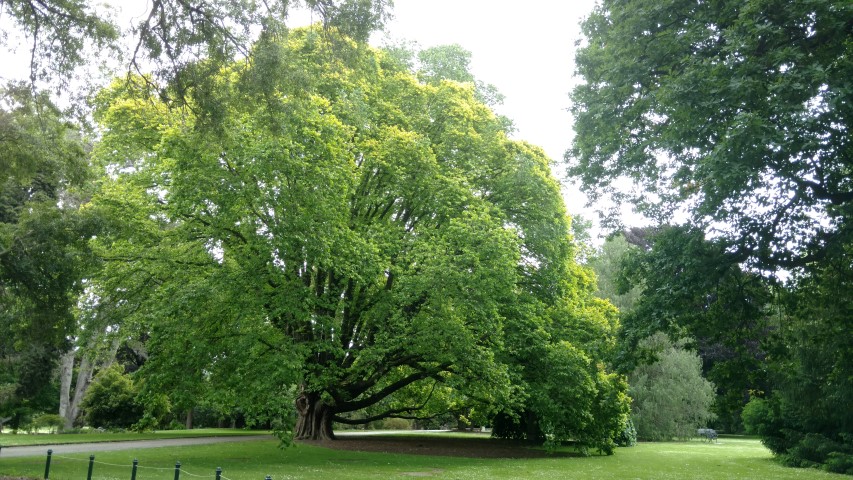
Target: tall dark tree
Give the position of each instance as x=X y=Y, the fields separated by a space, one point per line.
x=739 y=111
x=739 y=114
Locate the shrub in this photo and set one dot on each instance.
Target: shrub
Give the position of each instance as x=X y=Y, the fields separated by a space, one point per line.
x=52 y=422
x=111 y=400
x=395 y=424
x=628 y=436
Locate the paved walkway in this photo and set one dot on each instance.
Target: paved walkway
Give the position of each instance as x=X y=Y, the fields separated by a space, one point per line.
x=39 y=450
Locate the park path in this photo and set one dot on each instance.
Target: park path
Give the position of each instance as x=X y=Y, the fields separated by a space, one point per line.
x=38 y=450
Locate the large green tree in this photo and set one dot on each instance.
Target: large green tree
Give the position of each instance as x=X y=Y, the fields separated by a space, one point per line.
x=42 y=235
x=738 y=110
x=318 y=225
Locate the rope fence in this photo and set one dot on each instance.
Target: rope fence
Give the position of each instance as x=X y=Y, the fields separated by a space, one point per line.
x=217 y=475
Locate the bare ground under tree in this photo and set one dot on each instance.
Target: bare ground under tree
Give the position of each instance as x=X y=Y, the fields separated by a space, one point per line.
x=441 y=445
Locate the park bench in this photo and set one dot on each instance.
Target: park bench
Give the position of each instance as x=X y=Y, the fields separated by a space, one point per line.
x=708 y=434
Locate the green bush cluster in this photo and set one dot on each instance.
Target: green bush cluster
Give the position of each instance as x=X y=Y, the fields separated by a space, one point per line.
x=780 y=432
x=111 y=402
x=628 y=436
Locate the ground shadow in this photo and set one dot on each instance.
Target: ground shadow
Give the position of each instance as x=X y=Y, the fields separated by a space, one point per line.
x=473 y=447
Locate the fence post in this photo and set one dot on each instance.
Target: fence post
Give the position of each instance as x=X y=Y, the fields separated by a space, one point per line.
x=177 y=470
x=218 y=473
x=91 y=466
x=47 y=464
x=133 y=471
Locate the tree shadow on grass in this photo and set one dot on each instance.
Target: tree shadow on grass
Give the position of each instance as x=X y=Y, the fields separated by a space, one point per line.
x=474 y=447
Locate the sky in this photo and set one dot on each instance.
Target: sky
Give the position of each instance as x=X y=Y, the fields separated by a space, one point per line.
x=526 y=49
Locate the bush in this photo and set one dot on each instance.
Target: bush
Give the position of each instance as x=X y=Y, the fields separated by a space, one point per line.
x=628 y=436
x=394 y=424
x=671 y=398
x=52 y=422
x=111 y=400
x=839 y=462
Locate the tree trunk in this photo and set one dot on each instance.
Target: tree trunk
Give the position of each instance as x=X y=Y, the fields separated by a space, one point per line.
x=69 y=406
x=66 y=372
x=84 y=379
x=189 y=423
x=315 y=418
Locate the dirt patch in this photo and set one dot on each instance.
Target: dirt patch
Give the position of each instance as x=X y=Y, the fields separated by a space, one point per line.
x=474 y=447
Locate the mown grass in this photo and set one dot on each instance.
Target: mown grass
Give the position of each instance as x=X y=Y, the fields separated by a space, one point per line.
x=731 y=458
x=19 y=439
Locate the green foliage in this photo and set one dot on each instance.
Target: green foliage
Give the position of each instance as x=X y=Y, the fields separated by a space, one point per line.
x=59 y=34
x=171 y=35
x=394 y=424
x=321 y=225
x=43 y=235
x=111 y=400
x=805 y=419
x=671 y=399
x=755 y=414
x=52 y=422
x=736 y=110
x=692 y=287
x=608 y=264
x=628 y=437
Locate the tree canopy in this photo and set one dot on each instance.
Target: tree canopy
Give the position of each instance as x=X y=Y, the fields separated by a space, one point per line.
x=170 y=36
x=739 y=111
x=317 y=224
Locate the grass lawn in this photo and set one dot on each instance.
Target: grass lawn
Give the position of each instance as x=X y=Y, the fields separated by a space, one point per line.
x=732 y=458
x=10 y=439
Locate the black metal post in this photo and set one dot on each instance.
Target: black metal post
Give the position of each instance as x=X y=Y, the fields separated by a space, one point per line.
x=133 y=471
x=91 y=466
x=218 y=473
x=269 y=477
x=47 y=464
x=177 y=470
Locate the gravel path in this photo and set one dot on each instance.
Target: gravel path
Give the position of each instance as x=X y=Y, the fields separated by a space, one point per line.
x=39 y=450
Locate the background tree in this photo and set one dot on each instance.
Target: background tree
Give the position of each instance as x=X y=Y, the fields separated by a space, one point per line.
x=94 y=341
x=333 y=231
x=43 y=235
x=608 y=264
x=694 y=288
x=737 y=111
x=737 y=114
x=670 y=397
